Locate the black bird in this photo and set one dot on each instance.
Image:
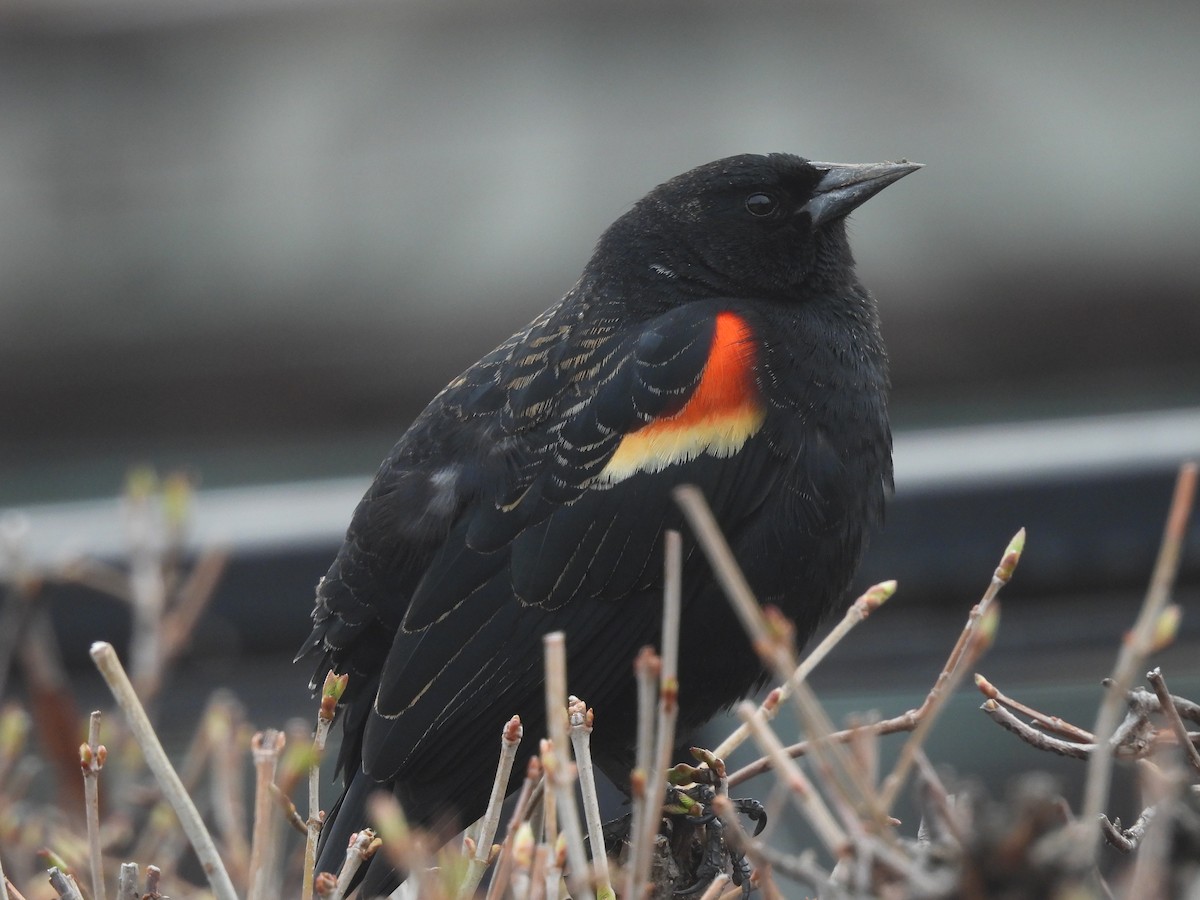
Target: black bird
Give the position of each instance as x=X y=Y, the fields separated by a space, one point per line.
x=718 y=336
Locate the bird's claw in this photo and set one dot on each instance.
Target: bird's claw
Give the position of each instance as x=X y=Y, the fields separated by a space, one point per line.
x=698 y=800
x=752 y=810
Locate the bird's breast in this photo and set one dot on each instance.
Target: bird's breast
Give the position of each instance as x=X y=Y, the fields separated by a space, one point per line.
x=723 y=412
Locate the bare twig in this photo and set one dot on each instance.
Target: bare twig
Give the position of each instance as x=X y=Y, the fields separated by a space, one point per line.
x=91 y=760
x=647 y=667
x=127 y=882
x=291 y=815
x=974 y=639
x=544 y=876
x=504 y=864
x=1135 y=649
x=1030 y=735
x=558 y=774
x=1151 y=865
x=156 y=758
x=64 y=885
x=1187 y=709
x=871 y=600
x=331 y=693
x=939 y=798
x=224 y=738
x=1127 y=839
x=715 y=887
x=843 y=775
x=198 y=755
x=362 y=845
x=905 y=722
x=800 y=789
x=1171 y=714
x=523 y=851
x=1053 y=724
x=668 y=708
x=729 y=574
x=405 y=848
x=510 y=740
x=979 y=641
x=582 y=721
x=772 y=638
x=265 y=748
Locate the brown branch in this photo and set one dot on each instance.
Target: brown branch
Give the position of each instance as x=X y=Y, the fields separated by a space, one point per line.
x=91 y=761
x=1171 y=714
x=1127 y=839
x=156 y=758
x=64 y=885
x=504 y=863
x=265 y=748
x=1030 y=735
x=939 y=799
x=1053 y=724
x=904 y=722
x=1140 y=642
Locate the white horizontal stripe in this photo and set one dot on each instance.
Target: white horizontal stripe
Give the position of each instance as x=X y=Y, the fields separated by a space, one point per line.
x=315 y=513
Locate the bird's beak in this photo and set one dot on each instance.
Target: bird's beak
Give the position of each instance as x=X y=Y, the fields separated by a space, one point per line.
x=843 y=188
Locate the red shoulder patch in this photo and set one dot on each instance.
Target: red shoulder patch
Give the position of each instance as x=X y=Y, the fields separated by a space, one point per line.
x=724 y=411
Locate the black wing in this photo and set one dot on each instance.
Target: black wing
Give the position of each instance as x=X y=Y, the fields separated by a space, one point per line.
x=474 y=521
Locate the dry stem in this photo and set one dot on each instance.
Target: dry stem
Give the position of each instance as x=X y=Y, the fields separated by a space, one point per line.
x=64 y=885
x=582 y=720
x=266 y=747
x=1136 y=647
x=362 y=845
x=867 y=603
x=979 y=634
x=504 y=864
x=127 y=882
x=1040 y=740
x=1171 y=713
x=331 y=692
x=156 y=758
x=92 y=756
x=715 y=887
x=772 y=638
x=1054 y=724
x=800 y=789
x=558 y=776
x=510 y=740
x=646 y=667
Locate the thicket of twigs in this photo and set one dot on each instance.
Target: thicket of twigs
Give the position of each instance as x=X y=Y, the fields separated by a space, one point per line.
x=136 y=825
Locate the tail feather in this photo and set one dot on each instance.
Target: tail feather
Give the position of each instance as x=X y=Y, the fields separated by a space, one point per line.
x=349 y=815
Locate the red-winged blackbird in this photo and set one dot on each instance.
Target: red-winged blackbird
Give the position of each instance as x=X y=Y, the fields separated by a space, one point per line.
x=718 y=336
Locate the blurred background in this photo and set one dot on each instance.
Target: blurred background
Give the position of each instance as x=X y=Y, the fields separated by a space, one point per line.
x=251 y=239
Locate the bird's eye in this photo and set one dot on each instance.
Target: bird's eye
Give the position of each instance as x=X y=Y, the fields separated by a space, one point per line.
x=761 y=205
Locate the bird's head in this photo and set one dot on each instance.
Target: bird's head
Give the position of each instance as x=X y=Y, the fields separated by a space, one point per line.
x=746 y=224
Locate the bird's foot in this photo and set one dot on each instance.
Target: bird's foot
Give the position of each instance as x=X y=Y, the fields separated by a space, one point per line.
x=692 y=809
